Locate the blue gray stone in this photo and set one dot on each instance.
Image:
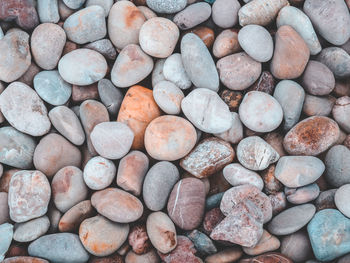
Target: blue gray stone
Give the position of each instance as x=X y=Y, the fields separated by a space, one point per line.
x=6 y=234
x=166 y=6
x=213 y=201
x=338 y=166
x=337 y=60
x=202 y=242
x=110 y=96
x=74 y=4
x=48 y=11
x=31 y=230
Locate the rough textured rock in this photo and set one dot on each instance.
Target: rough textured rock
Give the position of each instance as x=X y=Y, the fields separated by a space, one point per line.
x=139 y=240
x=167 y=6
x=325 y=200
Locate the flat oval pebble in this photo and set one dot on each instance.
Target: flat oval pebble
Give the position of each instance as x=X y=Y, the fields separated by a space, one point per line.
x=117 y=205
x=24 y=259
x=99 y=173
x=311 y=136
x=71 y=220
x=186 y=203
x=341 y=111
x=297 y=246
x=110 y=96
x=166 y=6
x=318 y=105
x=292 y=219
x=6 y=231
x=62 y=247
x=206 y=110
x=74 y=4
x=198 y=63
x=235 y=133
x=103 y=46
x=158 y=183
x=174 y=71
x=257 y=42
x=236 y=175
x=225 y=256
x=24 y=110
x=29 y=195
x=337 y=166
x=132 y=66
x=192 y=15
x=105 y=4
x=260 y=112
x=225 y=13
x=337 y=60
x=256 y=154
x=226 y=43
x=102 y=237
x=82 y=67
x=341 y=199
x=168 y=97
x=31 y=230
x=48 y=11
x=267 y=243
x=303 y=194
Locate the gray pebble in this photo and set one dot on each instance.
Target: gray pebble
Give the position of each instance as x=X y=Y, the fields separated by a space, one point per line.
x=157 y=73
x=105 y=47
x=31 y=230
x=235 y=133
x=341 y=199
x=317 y=105
x=48 y=11
x=225 y=13
x=168 y=97
x=341 y=112
x=110 y=96
x=74 y=4
x=6 y=234
x=297 y=246
x=105 y=4
x=192 y=15
x=202 y=242
x=326 y=200
x=236 y=174
x=338 y=166
x=337 y=60
x=302 y=194
x=166 y=6
x=174 y=71
x=213 y=201
x=4 y=208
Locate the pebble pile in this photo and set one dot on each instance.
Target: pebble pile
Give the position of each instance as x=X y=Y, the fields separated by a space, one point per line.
x=174 y=131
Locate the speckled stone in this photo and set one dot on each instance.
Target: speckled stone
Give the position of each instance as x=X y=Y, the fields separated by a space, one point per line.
x=297 y=246
x=278 y=202
x=166 y=6
x=337 y=60
x=192 y=15
x=139 y=240
x=337 y=167
x=99 y=173
x=31 y=230
x=71 y=220
x=174 y=71
x=24 y=259
x=303 y=194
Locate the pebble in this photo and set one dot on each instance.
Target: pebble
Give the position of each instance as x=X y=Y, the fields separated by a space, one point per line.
x=318 y=79
x=337 y=60
x=6 y=234
x=68 y=188
x=64 y=10
x=186 y=203
x=256 y=154
x=112 y=140
x=161 y=231
x=81 y=93
x=124 y=19
x=150 y=257
x=193 y=15
x=337 y=167
x=103 y=46
x=330 y=18
x=54 y=216
x=31 y=230
x=166 y=6
x=297 y=246
x=294 y=17
x=16 y=148
x=74 y=4
x=203 y=244
x=82 y=67
x=28 y=196
x=24 y=259
x=232 y=99
x=132 y=66
x=213 y=201
x=147 y=12
x=226 y=43
x=110 y=96
x=62 y=247
x=260 y=111
x=48 y=11
x=275 y=139
x=297 y=171
x=205 y=33
x=265 y=83
x=317 y=105
x=278 y=202
x=341 y=111
x=272 y=257
x=260 y=12
x=6 y=178
x=4 y=208
x=236 y=175
x=325 y=200
x=311 y=136
x=117 y=205
x=157 y=73
x=55 y=152
x=291 y=220
x=225 y=256
x=235 y=134
x=212 y=218
x=24 y=110
x=139 y=240
x=159 y=181
x=329 y=234
x=291 y=54
x=71 y=220
x=99 y=173
x=105 y=4
x=52 y=88
x=267 y=243
x=28 y=76
x=225 y=13
x=285 y=92
x=257 y=42
x=198 y=63
x=102 y=237
x=341 y=198
x=174 y=71
x=168 y=97
x=206 y=110
x=208 y=157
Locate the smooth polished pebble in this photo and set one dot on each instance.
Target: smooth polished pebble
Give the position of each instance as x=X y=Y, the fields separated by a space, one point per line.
x=168 y=97
x=297 y=246
x=99 y=173
x=6 y=234
x=318 y=105
x=226 y=43
x=336 y=166
x=340 y=112
x=303 y=194
x=235 y=133
x=174 y=71
x=110 y=96
x=341 y=199
x=236 y=175
x=166 y=6
x=4 y=208
x=267 y=243
x=31 y=230
x=337 y=60
x=105 y=4
x=192 y=15
x=225 y=13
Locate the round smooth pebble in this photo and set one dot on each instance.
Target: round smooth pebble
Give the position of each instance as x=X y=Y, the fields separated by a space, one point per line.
x=110 y=96
x=168 y=97
x=297 y=246
x=158 y=37
x=147 y=12
x=257 y=42
x=291 y=220
x=235 y=133
x=74 y=4
x=174 y=71
x=225 y=13
x=341 y=199
x=48 y=11
x=117 y=205
x=236 y=175
x=6 y=234
x=101 y=237
x=337 y=60
x=71 y=220
x=192 y=15
x=206 y=110
x=105 y=4
x=226 y=43
x=267 y=243
x=103 y=46
x=34 y=188
x=24 y=110
x=225 y=255
x=198 y=63
x=166 y=6
x=47 y=43
x=82 y=67
x=158 y=183
x=99 y=173
x=325 y=200
x=260 y=112
x=317 y=105
x=341 y=112
x=31 y=230
x=303 y=194
x=112 y=140
x=202 y=242
x=68 y=188
x=4 y=208
x=337 y=167
x=52 y=88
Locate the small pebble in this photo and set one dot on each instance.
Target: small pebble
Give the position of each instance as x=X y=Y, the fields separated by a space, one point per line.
x=226 y=43
x=6 y=234
x=297 y=246
x=4 y=208
x=212 y=218
x=236 y=175
x=317 y=105
x=341 y=198
x=103 y=46
x=71 y=220
x=337 y=60
x=168 y=97
x=139 y=240
x=31 y=230
x=341 y=111
x=105 y=4
x=326 y=200
x=267 y=243
x=232 y=99
x=225 y=256
x=192 y=15
x=265 y=83
x=99 y=173
x=225 y=13
x=303 y=194
x=110 y=96
x=278 y=202
x=166 y=6
x=337 y=167
x=150 y=257
x=235 y=134
x=203 y=244
x=174 y=71
x=272 y=257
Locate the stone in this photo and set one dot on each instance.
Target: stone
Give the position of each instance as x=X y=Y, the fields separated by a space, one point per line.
x=166 y=6
x=16 y=148
x=337 y=60
x=68 y=188
x=297 y=246
x=139 y=240
x=329 y=234
x=55 y=152
x=233 y=99
x=62 y=247
x=124 y=19
x=147 y=12
x=203 y=244
x=29 y=195
x=205 y=33
x=82 y=93
x=291 y=220
x=265 y=83
x=105 y=4
x=235 y=134
x=161 y=231
x=150 y=257
x=260 y=111
x=158 y=183
x=102 y=237
x=82 y=67
x=236 y=175
x=208 y=157
x=31 y=230
x=103 y=46
x=337 y=166
x=168 y=97
x=48 y=11
x=225 y=256
x=110 y=96
x=267 y=243
x=211 y=219
x=317 y=105
x=294 y=17
x=272 y=257
x=256 y=154
x=192 y=15
x=186 y=203
x=278 y=202
x=213 y=201
x=71 y=220
x=226 y=43
x=138 y=109
x=74 y=4
x=4 y=208
x=157 y=73
x=6 y=178
x=6 y=231
x=225 y=13
x=340 y=112
x=24 y=259
x=326 y=200
x=206 y=110
x=341 y=197
x=24 y=110
x=169 y=138
x=174 y=71
x=303 y=194
x=99 y=173
x=28 y=76
x=198 y=63
x=117 y=205
x=311 y=136
x=52 y=88
x=131 y=172
x=64 y=10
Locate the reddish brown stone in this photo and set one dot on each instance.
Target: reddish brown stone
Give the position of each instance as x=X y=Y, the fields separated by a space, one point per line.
x=211 y=219
x=22 y=259
x=138 y=239
x=271 y=184
x=342 y=87
x=68 y=47
x=346 y=142
x=278 y=202
x=115 y=258
x=29 y=75
x=232 y=98
x=71 y=220
x=81 y=93
x=6 y=178
x=17 y=250
x=218 y=183
x=139 y=2
x=227 y=255
x=275 y=139
x=268 y=258
x=266 y=83
x=204 y=33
